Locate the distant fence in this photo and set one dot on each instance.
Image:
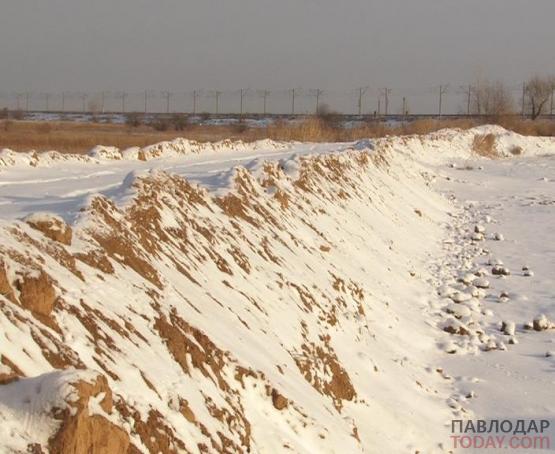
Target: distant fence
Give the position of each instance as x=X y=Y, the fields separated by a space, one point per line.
x=444 y=100
x=229 y=118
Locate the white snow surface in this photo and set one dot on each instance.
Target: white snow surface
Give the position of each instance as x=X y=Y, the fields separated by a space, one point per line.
x=519 y=195
x=364 y=264
x=26 y=406
x=62 y=183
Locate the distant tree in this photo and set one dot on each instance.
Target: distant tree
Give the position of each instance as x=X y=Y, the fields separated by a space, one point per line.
x=491 y=98
x=537 y=93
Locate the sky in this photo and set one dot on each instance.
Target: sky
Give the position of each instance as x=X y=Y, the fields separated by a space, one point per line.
x=410 y=46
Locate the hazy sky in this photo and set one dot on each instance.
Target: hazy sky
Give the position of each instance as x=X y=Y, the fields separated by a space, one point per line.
x=55 y=45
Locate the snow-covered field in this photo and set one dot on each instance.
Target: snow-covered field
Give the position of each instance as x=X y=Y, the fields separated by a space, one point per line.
x=516 y=199
x=119 y=118
x=276 y=297
x=62 y=184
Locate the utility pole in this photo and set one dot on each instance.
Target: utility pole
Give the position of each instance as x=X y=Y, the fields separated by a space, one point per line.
x=379 y=105
x=404 y=106
x=218 y=93
x=551 y=108
x=318 y=93
x=523 y=98
x=440 y=100
x=468 y=92
x=243 y=92
x=146 y=101
x=361 y=93
x=84 y=101
x=386 y=92
x=442 y=91
x=195 y=94
x=102 y=99
x=167 y=95
x=265 y=95
x=63 y=101
x=293 y=101
x=122 y=96
x=18 y=97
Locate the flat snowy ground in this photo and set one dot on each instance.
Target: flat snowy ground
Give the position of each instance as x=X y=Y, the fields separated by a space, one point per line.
x=519 y=196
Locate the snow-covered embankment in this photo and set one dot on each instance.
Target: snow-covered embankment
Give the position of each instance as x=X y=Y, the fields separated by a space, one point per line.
x=292 y=312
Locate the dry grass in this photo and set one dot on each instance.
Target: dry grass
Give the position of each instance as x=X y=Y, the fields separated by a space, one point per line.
x=528 y=127
x=316 y=130
x=69 y=137
x=81 y=137
x=484 y=145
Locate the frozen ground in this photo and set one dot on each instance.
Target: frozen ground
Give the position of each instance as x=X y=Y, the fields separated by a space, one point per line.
x=352 y=281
